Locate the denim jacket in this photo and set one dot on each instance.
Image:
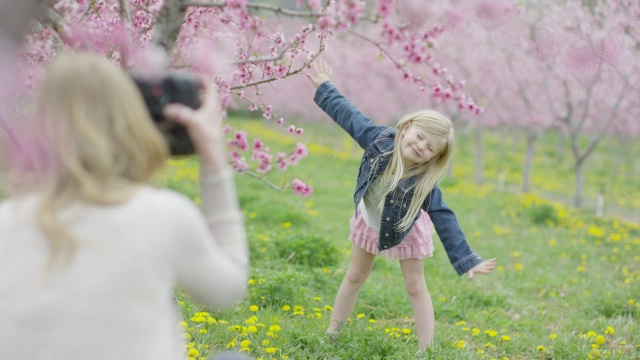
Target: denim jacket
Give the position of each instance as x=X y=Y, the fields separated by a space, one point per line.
x=377 y=142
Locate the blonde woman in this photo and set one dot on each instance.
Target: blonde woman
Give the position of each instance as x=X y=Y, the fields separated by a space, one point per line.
x=397 y=203
x=89 y=249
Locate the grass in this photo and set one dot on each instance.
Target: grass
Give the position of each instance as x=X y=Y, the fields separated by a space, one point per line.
x=566 y=286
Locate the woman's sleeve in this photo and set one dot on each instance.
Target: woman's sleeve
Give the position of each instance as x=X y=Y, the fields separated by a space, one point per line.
x=212 y=256
x=453 y=239
x=340 y=109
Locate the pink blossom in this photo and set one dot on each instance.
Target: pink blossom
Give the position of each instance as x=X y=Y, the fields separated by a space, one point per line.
x=280 y=121
x=257 y=144
x=300 y=188
x=291 y=129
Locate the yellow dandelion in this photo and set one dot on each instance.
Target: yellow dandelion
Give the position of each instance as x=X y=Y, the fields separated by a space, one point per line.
x=252 y=282
x=459 y=344
x=252 y=215
x=252 y=329
x=475 y=331
x=518 y=267
x=183 y=324
x=202 y=331
x=591 y=334
x=462 y=322
x=541 y=348
x=553 y=336
x=317 y=298
x=610 y=330
x=505 y=338
x=600 y=340
x=286 y=224
x=274 y=328
x=491 y=333
x=253 y=308
x=406 y=331
x=271 y=350
x=328 y=308
x=580 y=269
x=266 y=343
x=372 y=321
x=244 y=344
x=193 y=352
x=286 y=308
x=360 y=316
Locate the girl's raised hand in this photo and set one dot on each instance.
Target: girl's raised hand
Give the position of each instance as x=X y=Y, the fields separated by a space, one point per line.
x=484 y=267
x=322 y=73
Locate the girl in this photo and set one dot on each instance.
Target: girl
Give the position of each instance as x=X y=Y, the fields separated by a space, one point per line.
x=396 y=203
x=89 y=250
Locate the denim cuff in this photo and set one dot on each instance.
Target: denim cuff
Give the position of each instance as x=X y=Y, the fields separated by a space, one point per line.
x=466 y=264
x=322 y=90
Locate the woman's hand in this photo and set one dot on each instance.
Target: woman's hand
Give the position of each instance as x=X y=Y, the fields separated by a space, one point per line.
x=322 y=73
x=204 y=126
x=484 y=267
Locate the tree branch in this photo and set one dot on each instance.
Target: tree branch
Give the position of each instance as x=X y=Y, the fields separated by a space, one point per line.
x=257 y=6
x=264 y=81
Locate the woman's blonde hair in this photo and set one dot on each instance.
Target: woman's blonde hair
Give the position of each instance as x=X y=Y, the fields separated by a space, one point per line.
x=429 y=173
x=91 y=139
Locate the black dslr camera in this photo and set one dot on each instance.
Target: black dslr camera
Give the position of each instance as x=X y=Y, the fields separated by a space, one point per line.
x=159 y=90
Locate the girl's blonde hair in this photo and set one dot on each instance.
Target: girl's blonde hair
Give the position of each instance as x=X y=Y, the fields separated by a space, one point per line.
x=91 y=139
x=429 y=173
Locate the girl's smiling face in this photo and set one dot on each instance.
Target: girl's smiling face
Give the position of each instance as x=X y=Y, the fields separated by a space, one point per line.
x=418 y=146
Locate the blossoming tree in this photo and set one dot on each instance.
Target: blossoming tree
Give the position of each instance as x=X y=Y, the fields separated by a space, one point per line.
x=244 y=47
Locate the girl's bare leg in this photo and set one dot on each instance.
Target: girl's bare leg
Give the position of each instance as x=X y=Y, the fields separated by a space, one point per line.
x=413 y=271
x=357 y=274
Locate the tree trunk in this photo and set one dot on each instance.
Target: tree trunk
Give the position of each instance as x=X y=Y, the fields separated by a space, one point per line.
x=528 y=161
x=479 y=157
x=561 y=148
x=622 y=143
x=577 y=198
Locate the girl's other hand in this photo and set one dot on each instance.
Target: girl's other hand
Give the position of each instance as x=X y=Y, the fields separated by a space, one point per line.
x=204 y=126
x=484 y=267
x=322 y=73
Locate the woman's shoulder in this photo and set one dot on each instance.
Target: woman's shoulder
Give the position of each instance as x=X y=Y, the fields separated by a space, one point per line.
x=163 y=197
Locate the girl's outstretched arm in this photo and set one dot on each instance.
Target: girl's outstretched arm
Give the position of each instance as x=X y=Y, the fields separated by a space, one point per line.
x=340 y=109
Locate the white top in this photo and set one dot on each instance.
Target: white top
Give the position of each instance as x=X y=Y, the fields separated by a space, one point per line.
x=370 y=204
x=115 y=300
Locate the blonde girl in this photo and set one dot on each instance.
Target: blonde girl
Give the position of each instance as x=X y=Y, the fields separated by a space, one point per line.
x=397 y=203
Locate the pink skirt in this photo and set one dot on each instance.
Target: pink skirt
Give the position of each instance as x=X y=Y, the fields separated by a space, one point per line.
x=416 y=245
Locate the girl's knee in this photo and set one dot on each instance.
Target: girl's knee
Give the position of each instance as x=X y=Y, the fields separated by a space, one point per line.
x=356 y=276
x=416 y=287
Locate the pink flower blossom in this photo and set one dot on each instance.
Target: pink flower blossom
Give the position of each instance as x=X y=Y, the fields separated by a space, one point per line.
x=300 y=188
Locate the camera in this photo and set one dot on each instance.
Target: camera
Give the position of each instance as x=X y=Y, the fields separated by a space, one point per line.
x=159 y=90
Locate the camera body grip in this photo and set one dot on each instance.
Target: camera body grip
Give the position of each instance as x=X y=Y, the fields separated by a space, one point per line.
x=159 y=90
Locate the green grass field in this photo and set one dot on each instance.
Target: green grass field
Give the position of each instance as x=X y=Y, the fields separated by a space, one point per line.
x=566 y=286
